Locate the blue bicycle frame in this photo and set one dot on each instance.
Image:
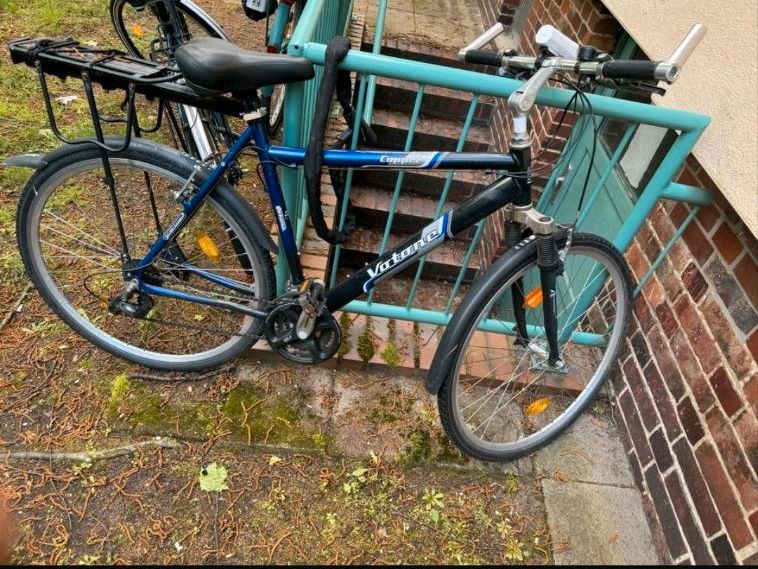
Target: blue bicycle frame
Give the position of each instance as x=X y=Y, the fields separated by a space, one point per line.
x=505 y=190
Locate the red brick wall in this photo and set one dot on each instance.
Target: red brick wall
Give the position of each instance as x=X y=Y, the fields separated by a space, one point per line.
x=687 y=384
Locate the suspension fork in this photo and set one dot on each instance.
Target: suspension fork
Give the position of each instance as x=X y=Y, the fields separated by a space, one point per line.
x=551 y=267
x=515 y=233
x=521 y=220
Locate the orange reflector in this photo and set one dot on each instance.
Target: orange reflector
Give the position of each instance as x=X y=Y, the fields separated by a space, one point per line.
x=207 y=246
x=137 y=30
x=537 y=407
x=534 y=298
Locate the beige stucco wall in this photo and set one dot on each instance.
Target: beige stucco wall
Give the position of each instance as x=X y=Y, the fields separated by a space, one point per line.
x=720 y=80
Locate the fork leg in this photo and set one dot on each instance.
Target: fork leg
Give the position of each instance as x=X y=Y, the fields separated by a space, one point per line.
x=513 y=235
x=550 y=267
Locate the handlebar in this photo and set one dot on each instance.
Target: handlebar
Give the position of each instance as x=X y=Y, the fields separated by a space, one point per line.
x=483 y=57
x=482 y=40
x=567 y=52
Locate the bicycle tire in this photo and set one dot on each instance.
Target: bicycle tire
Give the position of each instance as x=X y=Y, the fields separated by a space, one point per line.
x=275 y=109
x=453 y=372
x=217 y=131
x=274 y=103
x=227 y=215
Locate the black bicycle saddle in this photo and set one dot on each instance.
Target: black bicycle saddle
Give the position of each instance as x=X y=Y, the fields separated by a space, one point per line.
x=217 y=65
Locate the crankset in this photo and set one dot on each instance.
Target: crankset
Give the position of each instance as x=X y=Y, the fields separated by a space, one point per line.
x=281 y=331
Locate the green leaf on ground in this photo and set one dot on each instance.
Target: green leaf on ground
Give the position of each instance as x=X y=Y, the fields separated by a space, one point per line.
x=213 y=478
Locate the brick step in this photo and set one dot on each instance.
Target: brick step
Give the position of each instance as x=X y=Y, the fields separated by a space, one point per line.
x=426 y=182
x=372 y=206
x=438 y=102
x=391 y=129
x=418 y=51
x=442 y=263
x=412 y=347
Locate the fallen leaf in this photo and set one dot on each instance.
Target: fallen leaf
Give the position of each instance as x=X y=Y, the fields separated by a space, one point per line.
x=213 y=478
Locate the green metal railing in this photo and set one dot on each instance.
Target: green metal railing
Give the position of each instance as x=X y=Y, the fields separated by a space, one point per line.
x=309 y=40
x=319 y=21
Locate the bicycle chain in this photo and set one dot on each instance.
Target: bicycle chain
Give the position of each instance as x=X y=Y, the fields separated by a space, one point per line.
x=185 y=325
x=194 y=327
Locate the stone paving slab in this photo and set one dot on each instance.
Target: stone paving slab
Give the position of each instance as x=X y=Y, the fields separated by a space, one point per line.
x=590 y=451
x=444 y=22
x=594 y=512
x=595 y=524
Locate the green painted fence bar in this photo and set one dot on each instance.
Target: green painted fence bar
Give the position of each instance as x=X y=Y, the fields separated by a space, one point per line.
x=484 y=84
x=400 y=176
x=349 y=177
x=655 y=188
x=443 y=195
x=464 y=265
x=684 y=193
x=665 y=251
x=443 y=319
x=322 y=19
x=381 y=15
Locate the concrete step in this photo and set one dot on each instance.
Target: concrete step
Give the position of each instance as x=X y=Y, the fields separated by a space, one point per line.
x=391 y=129
x=441 y=263
x=438 y=102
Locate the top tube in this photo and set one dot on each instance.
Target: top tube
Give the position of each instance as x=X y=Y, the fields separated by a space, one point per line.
x=396 y=160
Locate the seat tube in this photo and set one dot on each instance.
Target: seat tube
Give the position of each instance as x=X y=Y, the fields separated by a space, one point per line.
x=278 y=203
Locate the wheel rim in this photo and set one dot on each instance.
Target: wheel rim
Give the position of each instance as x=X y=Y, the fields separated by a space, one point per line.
x=504 y=399
x=137 y=29
x=81 y=270
x=276 y=106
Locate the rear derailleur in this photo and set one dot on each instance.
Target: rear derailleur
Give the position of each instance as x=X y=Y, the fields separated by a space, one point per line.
x=300 y=328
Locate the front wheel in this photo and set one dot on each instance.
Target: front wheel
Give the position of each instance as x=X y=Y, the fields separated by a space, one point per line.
x=73 y=251
x=499 y=398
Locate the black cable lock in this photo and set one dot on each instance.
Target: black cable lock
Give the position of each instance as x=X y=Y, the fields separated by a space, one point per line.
x=336 y=50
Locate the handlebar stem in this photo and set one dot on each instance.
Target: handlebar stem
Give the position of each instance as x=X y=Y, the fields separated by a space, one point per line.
x=522 y=100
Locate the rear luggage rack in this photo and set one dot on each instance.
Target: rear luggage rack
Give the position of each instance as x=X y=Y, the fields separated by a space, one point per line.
x=115 y=70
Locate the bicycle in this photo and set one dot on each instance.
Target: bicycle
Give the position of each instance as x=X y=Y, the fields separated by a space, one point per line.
x=153 y=29
x=167 y=266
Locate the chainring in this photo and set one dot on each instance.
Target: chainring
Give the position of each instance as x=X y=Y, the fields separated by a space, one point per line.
x=280 y=332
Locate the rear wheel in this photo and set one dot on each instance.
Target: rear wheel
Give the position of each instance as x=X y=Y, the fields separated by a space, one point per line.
x=72 y=250
x=499 y=398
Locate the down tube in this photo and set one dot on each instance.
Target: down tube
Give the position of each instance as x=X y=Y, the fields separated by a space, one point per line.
x=476 y=208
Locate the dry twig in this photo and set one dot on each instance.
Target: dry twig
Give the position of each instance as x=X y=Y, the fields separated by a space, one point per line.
x=180 y=378
x=16 y=306
x=94 y=456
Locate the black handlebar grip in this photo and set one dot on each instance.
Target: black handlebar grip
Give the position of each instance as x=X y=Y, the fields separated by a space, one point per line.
x=630 y=69
x=483 y=57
